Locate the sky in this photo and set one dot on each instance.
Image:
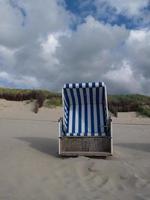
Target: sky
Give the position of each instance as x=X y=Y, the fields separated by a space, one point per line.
x=44 y=44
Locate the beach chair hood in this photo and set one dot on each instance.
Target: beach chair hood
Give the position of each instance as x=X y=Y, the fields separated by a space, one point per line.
x=85 y=109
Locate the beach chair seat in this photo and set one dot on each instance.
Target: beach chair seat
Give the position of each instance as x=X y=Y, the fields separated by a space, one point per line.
x=85 y=128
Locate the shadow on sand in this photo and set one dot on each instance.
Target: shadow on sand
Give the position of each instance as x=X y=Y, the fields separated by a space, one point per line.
x=48 y=146
x=44 y=145
x=137 y=146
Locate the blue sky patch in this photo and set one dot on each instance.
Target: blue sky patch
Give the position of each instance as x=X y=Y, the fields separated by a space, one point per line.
x=107 y=14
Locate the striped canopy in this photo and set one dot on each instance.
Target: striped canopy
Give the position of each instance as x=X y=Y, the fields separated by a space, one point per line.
x=85 y=109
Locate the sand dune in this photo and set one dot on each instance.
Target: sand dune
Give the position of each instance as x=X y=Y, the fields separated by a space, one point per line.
x=31 y=169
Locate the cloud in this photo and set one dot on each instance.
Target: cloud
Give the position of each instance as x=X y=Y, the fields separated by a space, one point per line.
x=123 y=79
x=39 y=19
x=22 y=46
x=87 y=54
x=39 y=49
x=23 y=81
x=138 y=50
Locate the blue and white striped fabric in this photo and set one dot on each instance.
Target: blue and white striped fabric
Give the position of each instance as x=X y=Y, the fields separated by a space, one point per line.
x=85 y=109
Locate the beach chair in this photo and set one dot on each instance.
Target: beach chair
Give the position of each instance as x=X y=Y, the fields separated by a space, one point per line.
x=85 y=128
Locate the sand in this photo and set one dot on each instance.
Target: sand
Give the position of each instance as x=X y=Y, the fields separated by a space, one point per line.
x=30 y=168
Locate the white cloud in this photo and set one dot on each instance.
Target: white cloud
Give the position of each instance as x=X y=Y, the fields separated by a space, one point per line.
x=87 y=54
x=138 y=36
x=21 y=82
x=123 y=78
x=40 y=19
x=138 y=51
x=124 y=73
x=50 y=45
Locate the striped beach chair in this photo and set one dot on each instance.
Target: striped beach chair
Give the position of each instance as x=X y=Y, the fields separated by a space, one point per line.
x=85 y=128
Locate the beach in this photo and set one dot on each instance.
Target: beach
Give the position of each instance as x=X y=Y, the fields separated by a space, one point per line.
x=30 y=168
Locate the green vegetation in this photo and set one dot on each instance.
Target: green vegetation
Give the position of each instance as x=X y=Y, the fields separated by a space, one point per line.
x=116 y=103
x=41 y=97
x=144 y=110
x=126 y=103
x=53 y=102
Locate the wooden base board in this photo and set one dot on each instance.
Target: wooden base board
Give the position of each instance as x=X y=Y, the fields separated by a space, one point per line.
x=88 y=154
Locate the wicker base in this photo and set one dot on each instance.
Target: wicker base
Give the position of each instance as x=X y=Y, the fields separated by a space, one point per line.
x=87 y=146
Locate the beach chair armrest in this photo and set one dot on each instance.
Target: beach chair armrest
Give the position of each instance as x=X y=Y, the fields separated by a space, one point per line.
x=109 y=122
x=60 y=122
x=60 y=119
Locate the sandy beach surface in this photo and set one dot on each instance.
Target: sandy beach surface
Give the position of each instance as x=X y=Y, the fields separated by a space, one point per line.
x=30 y=168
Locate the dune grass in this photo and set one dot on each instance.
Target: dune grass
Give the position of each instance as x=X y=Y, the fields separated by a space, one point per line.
x=133 y=102
x=41 y=97
x=116 y=103
x=53 y=102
